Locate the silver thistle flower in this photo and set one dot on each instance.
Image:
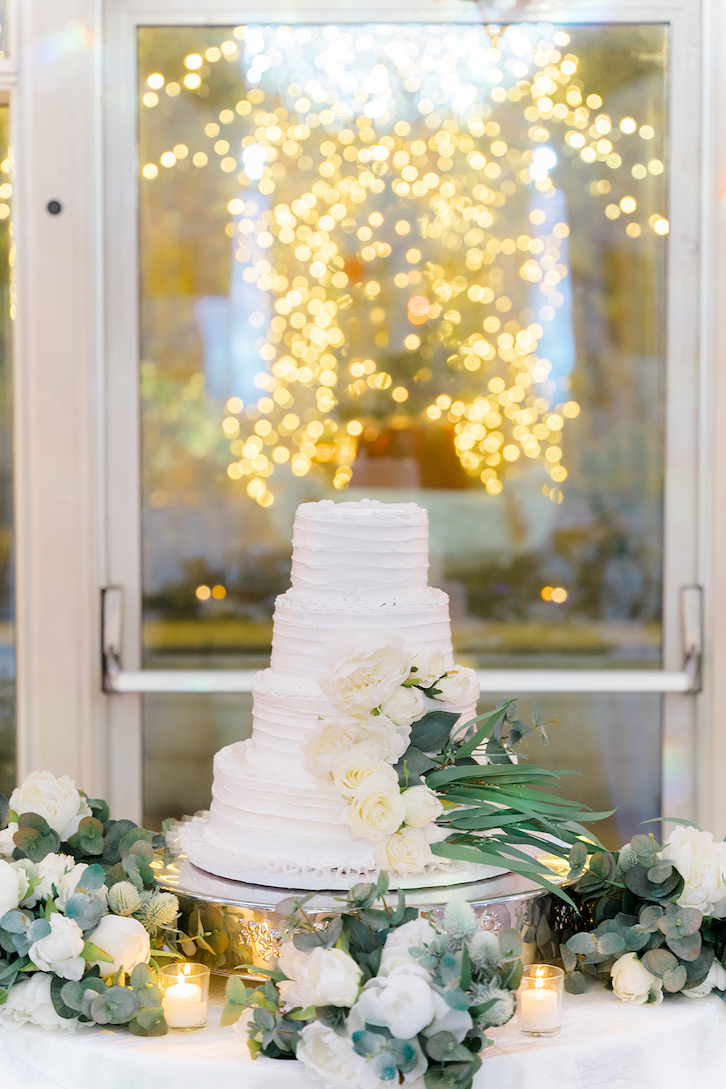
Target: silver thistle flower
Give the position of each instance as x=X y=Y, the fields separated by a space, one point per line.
x=123 y=898
x=158 y=910
x=502 y=1009
x=484 y=949
x=459 y=920
x=627 y=858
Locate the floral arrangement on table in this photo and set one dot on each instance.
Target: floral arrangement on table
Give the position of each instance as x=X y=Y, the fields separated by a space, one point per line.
x=81 y=920
x=417 y=785
x=660 y=915
x=380 y=996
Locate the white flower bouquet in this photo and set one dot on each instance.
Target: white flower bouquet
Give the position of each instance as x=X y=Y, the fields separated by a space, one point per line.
x=79 y=911
x=660 y=915
x=381 y=996
x=421 y=783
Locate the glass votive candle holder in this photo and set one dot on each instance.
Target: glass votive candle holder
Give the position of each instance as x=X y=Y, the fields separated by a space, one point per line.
x=539 y=1000
x=185 y=994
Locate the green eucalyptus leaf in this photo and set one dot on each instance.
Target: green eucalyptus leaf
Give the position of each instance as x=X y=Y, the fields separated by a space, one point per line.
x=680 y=922
x=659 y=961
x=576 y=983
x=569 y=959
x=674 y=979
x=149 y=1022
x=686 y=947
x=658 y=873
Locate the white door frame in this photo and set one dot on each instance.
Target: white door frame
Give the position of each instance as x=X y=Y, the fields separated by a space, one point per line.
x=77 y=415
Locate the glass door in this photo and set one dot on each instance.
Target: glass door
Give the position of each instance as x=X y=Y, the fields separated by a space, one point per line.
x=410 y=261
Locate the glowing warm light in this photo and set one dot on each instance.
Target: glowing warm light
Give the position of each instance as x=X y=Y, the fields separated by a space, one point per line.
x=314 y=244
x=203 y=593
x=219 y=593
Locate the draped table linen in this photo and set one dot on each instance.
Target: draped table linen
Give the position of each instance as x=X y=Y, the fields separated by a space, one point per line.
x=604 y=1044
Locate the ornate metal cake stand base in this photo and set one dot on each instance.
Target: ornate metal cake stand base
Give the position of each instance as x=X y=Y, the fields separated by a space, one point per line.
x=238 y=923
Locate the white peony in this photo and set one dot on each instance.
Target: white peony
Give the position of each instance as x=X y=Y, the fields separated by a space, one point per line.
x=401 y=1001
x=404 y=706
x=429 y=667
x=376 y=809
x=446 y=1019
x=396 y=952
x=61 y=950
x=702 y=864
x=376 y=734
x=405 y=852
x=29 y=1003
x=352 y=769
x=330 y=1059
x=122 y=938
x=459 y=686
x=13 y=886
x=55 y=799
x=67 y=884
x=365 y=668
x=324 y=977
x=7 y=843
x=633 y=983
x=422 y=806
x=716 y=978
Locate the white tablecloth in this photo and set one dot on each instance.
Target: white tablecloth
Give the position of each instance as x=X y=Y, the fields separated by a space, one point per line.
x=603 y=1045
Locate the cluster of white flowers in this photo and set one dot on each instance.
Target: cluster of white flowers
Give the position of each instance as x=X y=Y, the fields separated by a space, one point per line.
x=65 y=951
x=701 y=862
x=400 y=998
x=377 y=685
x=61 y=952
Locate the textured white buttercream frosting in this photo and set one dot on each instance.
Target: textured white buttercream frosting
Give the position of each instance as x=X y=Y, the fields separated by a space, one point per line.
x=359 y=566
x=367 y=550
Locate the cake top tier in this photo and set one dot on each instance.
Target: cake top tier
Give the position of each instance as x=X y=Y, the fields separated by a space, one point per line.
x=367 y=549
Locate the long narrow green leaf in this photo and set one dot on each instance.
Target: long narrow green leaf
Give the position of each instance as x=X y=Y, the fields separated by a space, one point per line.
x=487 y=771
x=473 y=855
x=483 y=732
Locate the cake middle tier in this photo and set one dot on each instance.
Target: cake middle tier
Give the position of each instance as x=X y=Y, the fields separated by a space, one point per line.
x=303 y=626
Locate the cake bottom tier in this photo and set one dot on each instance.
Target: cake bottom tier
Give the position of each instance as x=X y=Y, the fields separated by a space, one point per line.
x=288 y=832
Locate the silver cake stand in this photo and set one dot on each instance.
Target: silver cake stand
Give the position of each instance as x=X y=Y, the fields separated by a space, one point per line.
x=241 y=923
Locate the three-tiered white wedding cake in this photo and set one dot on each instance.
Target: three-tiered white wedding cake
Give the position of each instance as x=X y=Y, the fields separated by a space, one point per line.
x=359 y=574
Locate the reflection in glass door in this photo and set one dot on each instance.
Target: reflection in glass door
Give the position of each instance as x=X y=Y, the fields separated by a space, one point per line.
x=410 y=262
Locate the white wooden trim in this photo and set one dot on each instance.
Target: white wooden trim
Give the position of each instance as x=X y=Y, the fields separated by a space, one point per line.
x=55 y=134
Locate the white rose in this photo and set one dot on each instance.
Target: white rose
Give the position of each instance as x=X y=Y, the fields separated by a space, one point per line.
x=122 y=938
x=422 y=806
x=352 y=769
x=405 y=852
x=68 y=883
x=404 y=706
x=324 y=977
x=60 y=951
x=376 y=734
x=29 y=1003
x=397 y=950
x=702 y=864
x=716 y=978
x=429 y=667
x=402 y=1002
x=55 y=799
x=330 y=1059
x=52 y=869
x=459 y=686
x=633 y=983
x=366 y=668
x=376 y=809
x=7 y=843
x=13 y=886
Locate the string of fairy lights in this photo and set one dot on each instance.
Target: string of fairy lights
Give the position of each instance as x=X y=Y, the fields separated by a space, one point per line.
x=379 y=214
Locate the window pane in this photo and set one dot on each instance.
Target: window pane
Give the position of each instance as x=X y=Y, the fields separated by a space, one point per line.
x=406 y=262
x=7 y=312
